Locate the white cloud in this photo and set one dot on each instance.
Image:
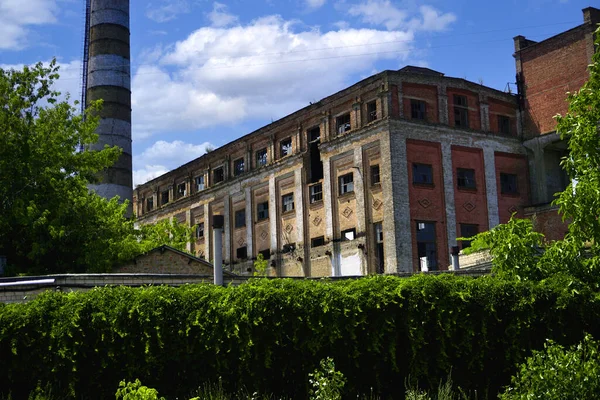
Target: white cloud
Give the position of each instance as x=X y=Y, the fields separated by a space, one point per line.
x=162 y=157
x=167 y=10
x=219 y=17
x=385 y=13
x=17 y=15
x=314 y=4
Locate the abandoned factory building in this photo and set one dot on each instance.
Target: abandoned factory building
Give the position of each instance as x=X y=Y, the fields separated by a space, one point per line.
x=383 y=176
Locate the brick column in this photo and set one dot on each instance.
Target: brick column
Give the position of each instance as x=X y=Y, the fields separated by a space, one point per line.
x=273 y=214
x=400 y=101
x=443 y=104
x=491 y=186
x=227 y=228
x=359 y=190
x=397 y=229
x=249 y=219
x=484 y=113
x=449 y=195
x=357 y=120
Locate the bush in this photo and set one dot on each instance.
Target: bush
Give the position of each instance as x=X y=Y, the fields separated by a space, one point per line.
x=558 y=374
x=268 y=335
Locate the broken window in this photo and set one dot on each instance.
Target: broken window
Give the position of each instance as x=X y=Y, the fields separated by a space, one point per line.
x=422 y=174
x=238 y=167
x=149 y=204
x=318 y=241
x=348 y=234
x=262 y=211
x=468 y=231
x=379 y=256
x=200 y=230
x=508 y=184
x=314 y=135
x=218 y=175
x=199 y=181
x=241 y=253
x=316 y=193
x=461 y=111
x=375 y=177
x=316 y=165
x=287 y=202
x=285 y=147
x=261 y=158
x=265 y=253
x=164 y=197
x=371 y=111
x=342 y=123
x=426 y=246
x=181 y=190
x=240 y=218
x=346 y=183
x=418 y=109
x=504 y=124
x=288 y=248
x=465 y=178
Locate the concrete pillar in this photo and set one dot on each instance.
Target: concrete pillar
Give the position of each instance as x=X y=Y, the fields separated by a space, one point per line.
x=442 y=104
x=397 y=228
x=273 y=214
x=271 y=152
x=400 y=101
x=218 y=262
x=189 y=222
x=249 y=222
x=227 y=227
x=155 y=204
x=537 y=167
x=325 y=127
x=357 y=120
x=327 y=198
x=299 y=206
x=360 y=174
x=208 y=240
x=484 y=114
x=449 y=193
x=491 y=186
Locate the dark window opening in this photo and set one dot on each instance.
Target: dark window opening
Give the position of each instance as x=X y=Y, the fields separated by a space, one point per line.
x=423 y=174
x=426 y=246
x=285 y=147
x=262 y=211
x=504 y=124
x=200 y=230
x=199 y=180
x=218 y=175
x=265 y=253
x=379 y=256
x=508 y=184
x=288 y=248
x=316 y=193
x=164 y=197
x=468 y=231
x=316 y=165
x=149 y=204
x=375 y=177
x=181 y=190
x=261 y=158
x=318 y=241
x=342 y=123
x=461 y=111
x=314 y=135
x=465 y=178
x=418 y=109
x=371 y=111
x=346 y=183
x=241 y=253
x=238 y=167
x=348 y=234
x=240 y=218
x=287 y=202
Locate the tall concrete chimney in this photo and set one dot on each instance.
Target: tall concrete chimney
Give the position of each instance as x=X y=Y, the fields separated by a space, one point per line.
x=109 y=78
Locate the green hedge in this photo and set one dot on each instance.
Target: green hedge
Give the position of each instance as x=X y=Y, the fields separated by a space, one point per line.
x=267 y=335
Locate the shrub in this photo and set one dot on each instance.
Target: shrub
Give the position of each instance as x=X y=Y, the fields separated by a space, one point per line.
x=135 y=391
x=326 y=382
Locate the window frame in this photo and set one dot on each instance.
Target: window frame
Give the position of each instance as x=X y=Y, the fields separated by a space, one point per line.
x=181 y=193
x=375 y=172
x=434 y=266
x=467 y=243
x=416 y=181
x=245 y=253
x=344 y=238
x=149 y=203
x=236 y=165
x=372 y=113
x=416 y=113
x=461 y=111
x=162 y=197
x=320 y=240
x=472 y=183
x=260 y=211
x=503 y=182
x=312 y=194
x=262 y=158
x=346 y=187
x=237 y=222
x=341 y=126
x=504 y=122
x=200 y=186
x=199 y=234
x=222 y=175
x=287 y=200
x=283 y=146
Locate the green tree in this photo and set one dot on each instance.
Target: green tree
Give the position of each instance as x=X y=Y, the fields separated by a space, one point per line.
x=260 y=265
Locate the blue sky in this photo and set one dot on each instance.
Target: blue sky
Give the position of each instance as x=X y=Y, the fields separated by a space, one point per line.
x=205 y=72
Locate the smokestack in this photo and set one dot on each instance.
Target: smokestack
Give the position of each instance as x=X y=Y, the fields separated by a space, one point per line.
x=109 y=78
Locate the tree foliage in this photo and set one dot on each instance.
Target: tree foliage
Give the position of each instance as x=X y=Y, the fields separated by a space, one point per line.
x=49 y=221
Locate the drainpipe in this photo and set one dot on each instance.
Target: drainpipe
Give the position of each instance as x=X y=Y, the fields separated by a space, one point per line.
x=455 y=263
x=218 y=222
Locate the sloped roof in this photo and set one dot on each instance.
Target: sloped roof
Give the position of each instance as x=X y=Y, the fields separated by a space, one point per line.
x=420 y=70
x=165 y=247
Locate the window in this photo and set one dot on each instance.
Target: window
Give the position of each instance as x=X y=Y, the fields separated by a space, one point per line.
x=287 y=202
x=314 y=135
x=240 y=218
x=504 y=124
x=426 y=246
x=379 y=255
x=199 y=181
x=262 y=211
x=238 y=167
x=461 y=111
x=181 y=190
x=375 y=177
x=465 y=178
x=342 y=123
x=418 y=109
x=318 y=241
x=149 y=204
x=241 y=253
x=346 y=183
x=164 y=197
x=265 y=253
x=285 y=147
x=261 y=158
x=288 y=248
x=200 y=230
x=218 y=175
x=316 y=193
x=371 y=111
x=348 y=234
x=422 y=174
x=467 y=231
x=508 y=184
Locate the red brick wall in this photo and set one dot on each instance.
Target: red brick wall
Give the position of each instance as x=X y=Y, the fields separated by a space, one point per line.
x=473 y=103
x=426 y=93
x=166 y=263
x=498 y=107
x=509 y=203
x=395 y=109
x=550 y=69
x=470 y=204
x=427 y=202
x=549 y=222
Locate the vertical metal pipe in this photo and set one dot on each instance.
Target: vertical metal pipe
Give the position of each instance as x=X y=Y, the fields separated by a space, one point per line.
x=455 y=263
x=218 y=221
x=109 y=79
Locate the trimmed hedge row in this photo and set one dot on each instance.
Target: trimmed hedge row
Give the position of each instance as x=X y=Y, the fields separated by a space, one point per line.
x=267 y=335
